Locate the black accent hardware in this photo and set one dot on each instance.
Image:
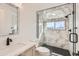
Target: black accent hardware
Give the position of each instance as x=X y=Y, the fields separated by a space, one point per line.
x=8 y=41
x=66 y=16
x=75 y=36
x=69 y=30
x=75 y=27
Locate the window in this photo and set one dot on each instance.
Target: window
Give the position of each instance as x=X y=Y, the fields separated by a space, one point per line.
x=50 y=25
x=60 y=25
x=57 y=25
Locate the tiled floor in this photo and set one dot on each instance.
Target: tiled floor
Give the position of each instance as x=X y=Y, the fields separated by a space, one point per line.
x=56 y=50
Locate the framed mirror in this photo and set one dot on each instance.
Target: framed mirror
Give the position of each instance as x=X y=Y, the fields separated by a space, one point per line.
x=8 y=19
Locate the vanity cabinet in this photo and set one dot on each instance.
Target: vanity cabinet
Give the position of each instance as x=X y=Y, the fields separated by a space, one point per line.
x=29 y=52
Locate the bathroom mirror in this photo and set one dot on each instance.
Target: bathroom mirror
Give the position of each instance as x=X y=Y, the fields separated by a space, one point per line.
x=8 y=19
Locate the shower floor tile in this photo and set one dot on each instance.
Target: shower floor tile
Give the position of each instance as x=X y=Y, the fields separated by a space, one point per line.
x=57 y=50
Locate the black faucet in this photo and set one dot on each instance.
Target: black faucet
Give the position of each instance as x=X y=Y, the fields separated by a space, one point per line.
x=8 y=41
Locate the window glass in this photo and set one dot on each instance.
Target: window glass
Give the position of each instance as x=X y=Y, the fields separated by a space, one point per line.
x=60 y=25
x=50 y=25
x=56 y=25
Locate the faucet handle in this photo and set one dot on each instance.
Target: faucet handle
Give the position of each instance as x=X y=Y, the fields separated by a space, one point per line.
x=10 y=40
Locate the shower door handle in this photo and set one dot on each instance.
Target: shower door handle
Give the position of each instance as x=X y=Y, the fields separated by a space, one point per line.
x=73 y=36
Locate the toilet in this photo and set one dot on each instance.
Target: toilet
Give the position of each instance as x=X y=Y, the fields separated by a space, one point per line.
x=43 y=51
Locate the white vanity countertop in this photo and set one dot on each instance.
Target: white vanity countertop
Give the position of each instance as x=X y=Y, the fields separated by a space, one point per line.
x=16 y=49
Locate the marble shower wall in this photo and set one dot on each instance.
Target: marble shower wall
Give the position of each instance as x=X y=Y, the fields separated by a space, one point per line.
x=57 y=38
